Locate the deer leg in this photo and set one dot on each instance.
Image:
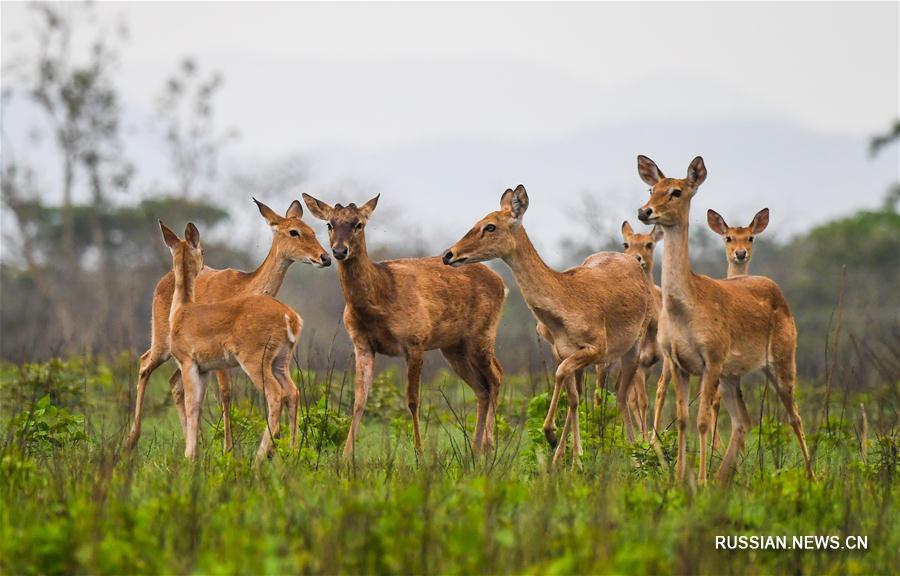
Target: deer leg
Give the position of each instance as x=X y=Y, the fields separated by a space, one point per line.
x=458 y=359
x=176 y=387
x=626 y=376
x=709 y=385
x=491 y=376
x=785 y=377
x=289 y=391
x=550 y=420
x=600 y=371
x=740 y=424
x=495 y=377
x=150 y=361
x=264 y=378
x=682 y=394
x=413 y=374
x=637 y=401
x=661 y=386
x=565 y=374
x=225 y=396
x=714 y=426
x=365 y=366
x=579 y=388
x=194 y=388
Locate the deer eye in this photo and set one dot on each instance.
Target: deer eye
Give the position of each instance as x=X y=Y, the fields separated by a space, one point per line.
x=295 y=234
x=751 y=238
x=625 y=245
x=676 y=193
x=649 y=245
x=358 y=226
x=728 y=238
x=329 y=226
x=490 y=228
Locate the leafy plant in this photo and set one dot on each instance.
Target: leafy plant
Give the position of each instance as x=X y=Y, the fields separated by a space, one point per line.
x=47 y=427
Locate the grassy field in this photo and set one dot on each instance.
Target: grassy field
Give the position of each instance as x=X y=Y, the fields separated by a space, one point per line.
x=74 y=502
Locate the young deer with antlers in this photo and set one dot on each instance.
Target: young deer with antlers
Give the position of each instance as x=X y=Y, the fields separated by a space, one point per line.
x=406 y=307
x=716 y=328
x=292 y=240
x=256 y=332
x=594 y=314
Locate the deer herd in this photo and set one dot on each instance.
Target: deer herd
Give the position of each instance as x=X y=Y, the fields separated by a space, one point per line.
x=605 y=311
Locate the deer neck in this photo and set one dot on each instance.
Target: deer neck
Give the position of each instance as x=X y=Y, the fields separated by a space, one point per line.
x=184 y=290
x=735 y=269
x=676 y=265
x=268 y=278
x=536 y=280
x=362 y=283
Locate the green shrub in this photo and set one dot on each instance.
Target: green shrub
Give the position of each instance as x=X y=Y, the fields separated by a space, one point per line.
x=46 y=427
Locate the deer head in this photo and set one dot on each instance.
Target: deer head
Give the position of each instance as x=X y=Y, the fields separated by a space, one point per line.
x=738 y=241
x=492 y=236
x=346 y=224
x=187 y=254
x=293 y=238
x=640 y=246
x=670 y=198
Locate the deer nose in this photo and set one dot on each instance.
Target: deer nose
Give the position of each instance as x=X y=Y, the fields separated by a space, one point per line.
x=326 y=259
x=448 y=256
x=740 y=254
x=644 y=214
x=340 y=253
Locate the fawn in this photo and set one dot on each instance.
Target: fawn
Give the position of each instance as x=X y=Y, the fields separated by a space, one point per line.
x=256 y=332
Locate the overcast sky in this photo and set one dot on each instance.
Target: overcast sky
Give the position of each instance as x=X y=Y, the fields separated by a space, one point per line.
x=350 y=83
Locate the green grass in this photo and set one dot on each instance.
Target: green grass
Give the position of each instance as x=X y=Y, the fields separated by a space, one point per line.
x=74 y=502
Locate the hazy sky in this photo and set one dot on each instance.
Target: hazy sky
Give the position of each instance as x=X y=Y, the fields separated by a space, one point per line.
x=348 y=83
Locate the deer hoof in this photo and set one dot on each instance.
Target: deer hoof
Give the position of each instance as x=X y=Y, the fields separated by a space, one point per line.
x=550 y=435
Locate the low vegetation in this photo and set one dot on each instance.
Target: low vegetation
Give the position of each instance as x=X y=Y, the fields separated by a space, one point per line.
x=74 y=502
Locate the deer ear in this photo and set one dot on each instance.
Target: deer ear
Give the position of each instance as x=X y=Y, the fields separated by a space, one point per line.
x=367 y=208
x=295 y=210
x=317 y=208
x=271 y=217
x=716 y=222
x=515 y=202
x=760 y=221
x=170 y=238
x=696 y=174
x=627 y=230
x=657 y=233
x=649 y=171
x=192 y=235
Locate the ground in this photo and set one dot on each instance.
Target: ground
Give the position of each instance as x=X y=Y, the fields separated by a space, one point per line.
x=74 y=502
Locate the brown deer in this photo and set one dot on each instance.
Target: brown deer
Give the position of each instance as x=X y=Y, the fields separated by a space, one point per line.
x=292 y=240
x=739 y=240
x=256 y=332
x=406 y=307
x=738 y=251
x=593 y=314
x=719 y=329
x=640 y=247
